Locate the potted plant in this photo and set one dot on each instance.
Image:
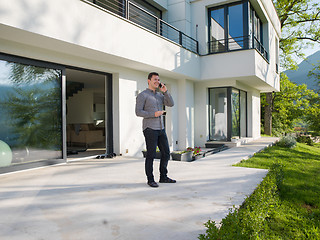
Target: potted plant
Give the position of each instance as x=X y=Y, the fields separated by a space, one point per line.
x=196 y=152
x=182 y=156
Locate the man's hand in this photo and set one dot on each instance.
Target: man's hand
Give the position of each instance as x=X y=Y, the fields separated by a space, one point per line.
x=163 y=88
x=158 y=113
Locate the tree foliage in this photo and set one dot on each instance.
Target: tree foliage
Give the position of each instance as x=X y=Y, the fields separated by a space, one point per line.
x=293 y=103
x=316 y=73
x=300 y=26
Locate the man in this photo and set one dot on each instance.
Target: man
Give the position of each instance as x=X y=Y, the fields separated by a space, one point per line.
x=149 y=105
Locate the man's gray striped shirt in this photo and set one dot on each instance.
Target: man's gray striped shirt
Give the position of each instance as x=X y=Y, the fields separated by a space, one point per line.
x=147 y=103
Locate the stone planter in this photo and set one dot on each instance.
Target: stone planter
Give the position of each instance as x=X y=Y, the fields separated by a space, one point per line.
x=197 y=157
x=158 y=154
x=186 y=156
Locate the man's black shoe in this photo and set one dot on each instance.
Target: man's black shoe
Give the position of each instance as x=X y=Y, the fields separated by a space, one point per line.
x=167 y=180
x=153 y=184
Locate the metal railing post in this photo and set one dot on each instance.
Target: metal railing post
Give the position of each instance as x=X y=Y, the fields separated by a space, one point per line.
x=127 y=9
x=180 y=38
x=158 y=26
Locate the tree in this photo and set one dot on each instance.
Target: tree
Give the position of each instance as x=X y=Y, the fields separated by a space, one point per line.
x=313 y=114
x=316 y=73
x=300 y=27
x=291 y=104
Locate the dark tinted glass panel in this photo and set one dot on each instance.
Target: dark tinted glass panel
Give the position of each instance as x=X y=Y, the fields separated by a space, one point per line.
x=235 y=111
x=30 y=113
x=142 y=18
x=236 y=27
x=217 y=38
x=218 y=114
x=148 y=7
x=243 y=114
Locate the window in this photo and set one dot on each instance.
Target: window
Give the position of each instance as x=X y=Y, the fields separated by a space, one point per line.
x=218 y=114
x=227 y=113
x=235 y=113
x=277 y=54
x=30 y=112
x=235 y=26
x=217 y=36
x=236 y=32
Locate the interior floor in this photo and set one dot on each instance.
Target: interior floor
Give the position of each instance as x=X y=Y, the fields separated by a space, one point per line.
x=85 y=95
x=91 y=152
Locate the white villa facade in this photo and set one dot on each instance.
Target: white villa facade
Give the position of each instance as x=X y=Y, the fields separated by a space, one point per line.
x=70 y=72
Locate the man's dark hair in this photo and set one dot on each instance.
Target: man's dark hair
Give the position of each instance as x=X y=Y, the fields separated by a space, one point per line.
x=151 y=74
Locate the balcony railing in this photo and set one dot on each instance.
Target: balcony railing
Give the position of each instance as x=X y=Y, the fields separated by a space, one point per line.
x=258 y=45
x=138 y=15
x=237 y=43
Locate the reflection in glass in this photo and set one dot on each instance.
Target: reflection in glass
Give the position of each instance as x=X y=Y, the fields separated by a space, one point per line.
x=235 y=111
x=217 y=30
x=218 y=114
x=30 y=111
x=236 y=39
x=243 y=114
x=234 y=27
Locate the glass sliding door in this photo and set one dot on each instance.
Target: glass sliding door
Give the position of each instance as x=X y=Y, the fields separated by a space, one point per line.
x=218 y=114
x=235 y=113
x=243 y=114
x=227 y=114
x=30 y=113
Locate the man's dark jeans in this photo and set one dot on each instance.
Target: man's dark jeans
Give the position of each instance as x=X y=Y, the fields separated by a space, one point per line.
x=153 y=139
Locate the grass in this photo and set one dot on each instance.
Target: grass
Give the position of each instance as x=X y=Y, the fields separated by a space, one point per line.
x=285 y=205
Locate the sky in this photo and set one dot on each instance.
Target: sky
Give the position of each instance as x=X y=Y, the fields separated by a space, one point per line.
x=311 y=50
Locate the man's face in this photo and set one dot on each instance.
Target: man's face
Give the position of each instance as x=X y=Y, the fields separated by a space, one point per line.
x=154 y=81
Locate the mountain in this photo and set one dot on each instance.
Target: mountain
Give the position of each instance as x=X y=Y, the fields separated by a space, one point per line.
x=300 y=76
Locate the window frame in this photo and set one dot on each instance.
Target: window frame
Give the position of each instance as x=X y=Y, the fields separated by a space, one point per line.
x=43 y=64
x=229 y=112
x=248 y=14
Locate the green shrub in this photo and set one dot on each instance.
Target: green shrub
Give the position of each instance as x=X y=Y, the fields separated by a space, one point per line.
x=287 y=141
x=250 y=221
x=305 y=139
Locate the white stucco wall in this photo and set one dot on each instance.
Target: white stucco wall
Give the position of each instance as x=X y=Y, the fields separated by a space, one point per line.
x=201 y=128
x=179 y=15
x=255 y=118
x=130 y=126
x=190 y=113
x=247 y=63
x=95 y=29
x=80 y=107
x=201 y=117
x=128 y=52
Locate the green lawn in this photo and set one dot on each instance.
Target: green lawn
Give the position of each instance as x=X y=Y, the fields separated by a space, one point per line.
x=285 y=205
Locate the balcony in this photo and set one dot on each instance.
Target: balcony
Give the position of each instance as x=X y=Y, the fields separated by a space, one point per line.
x=136 y=14
x=237 y=43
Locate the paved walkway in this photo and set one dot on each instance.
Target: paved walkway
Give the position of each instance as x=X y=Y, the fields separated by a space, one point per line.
x=108 y=199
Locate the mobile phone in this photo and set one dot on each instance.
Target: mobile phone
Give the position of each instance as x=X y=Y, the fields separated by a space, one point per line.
x=160 y=85
x=164 y=113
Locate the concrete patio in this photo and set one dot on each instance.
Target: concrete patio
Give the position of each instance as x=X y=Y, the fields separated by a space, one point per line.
x=108 y=199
